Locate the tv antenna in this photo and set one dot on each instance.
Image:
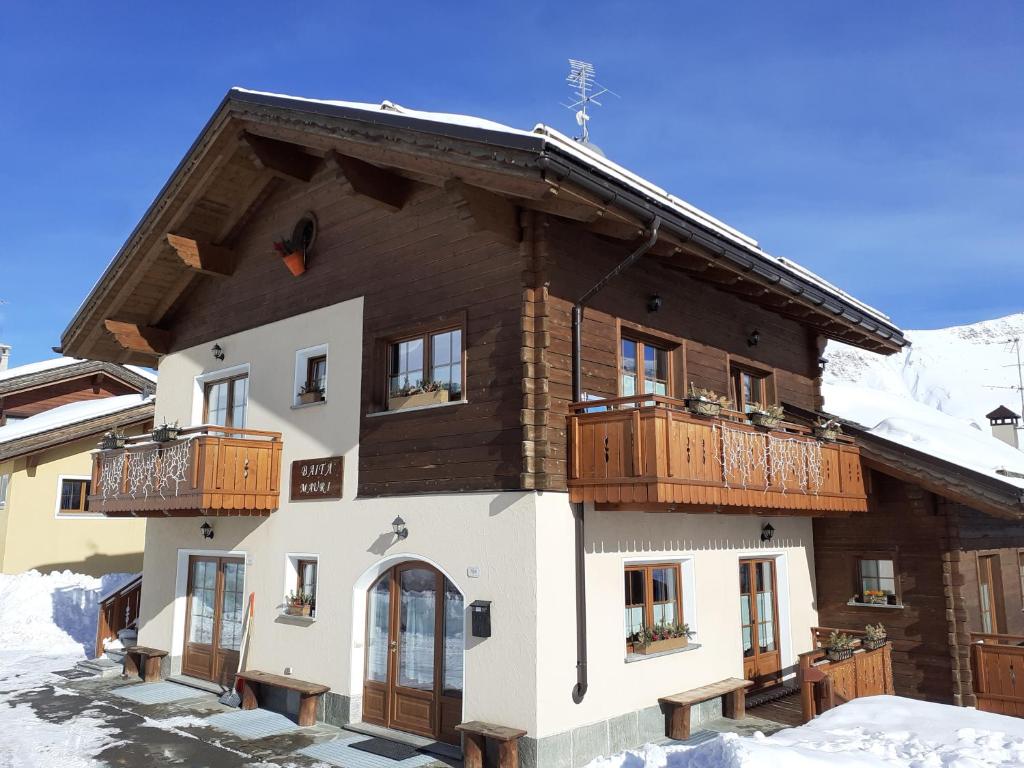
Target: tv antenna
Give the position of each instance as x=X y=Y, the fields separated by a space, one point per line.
x=586 y=91
x=1014 y=345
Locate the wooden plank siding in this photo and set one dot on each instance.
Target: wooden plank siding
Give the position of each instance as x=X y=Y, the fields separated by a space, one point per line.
x=23 y=405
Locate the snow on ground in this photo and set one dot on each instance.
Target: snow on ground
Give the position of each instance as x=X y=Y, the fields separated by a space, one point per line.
x=873 y=732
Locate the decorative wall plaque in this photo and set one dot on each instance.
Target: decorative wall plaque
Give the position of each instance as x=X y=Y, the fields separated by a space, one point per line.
x=317 y=478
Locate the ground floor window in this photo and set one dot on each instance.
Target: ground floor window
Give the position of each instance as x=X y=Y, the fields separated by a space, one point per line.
x=653 y=598
x=74 y=496
x=876 y=581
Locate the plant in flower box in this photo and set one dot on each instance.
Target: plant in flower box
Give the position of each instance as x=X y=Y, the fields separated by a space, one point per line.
x=839 y=646
x=875 y=636
x=300 y=604
x=827 y=429
x=419 y=394
x=765 y=415
x=165 y=433
x=293 y=253
x=113 y=440
x=875 y=597
x=312 y=393
x=666 y=636
x=705 y=402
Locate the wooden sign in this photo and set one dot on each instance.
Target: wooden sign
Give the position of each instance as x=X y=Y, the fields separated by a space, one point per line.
x=317 y=478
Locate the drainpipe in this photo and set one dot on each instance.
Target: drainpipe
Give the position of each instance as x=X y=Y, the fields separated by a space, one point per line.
x=580 y=690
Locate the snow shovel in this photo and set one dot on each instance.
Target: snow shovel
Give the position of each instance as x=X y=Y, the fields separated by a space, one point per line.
x=231 y=698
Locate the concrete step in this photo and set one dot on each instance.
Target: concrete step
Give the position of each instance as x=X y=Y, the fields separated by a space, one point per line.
x=101 y=667
x=115 y=655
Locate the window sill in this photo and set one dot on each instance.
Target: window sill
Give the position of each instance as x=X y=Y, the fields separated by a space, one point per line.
x=78 y=515
x=634 y=657
x=288 y=618
x=416 y=408
x=298 y=406
x=855 y=604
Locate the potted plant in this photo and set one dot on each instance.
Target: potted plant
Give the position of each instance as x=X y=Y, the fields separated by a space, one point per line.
x=113 y=440
x=662 y=637
x=765 y=415
x=165 y=433
x=293 y=254
x=875 y=597
x=418 y=395
x=827 y=429
x=705 y=402
x=298 y=604
x=312 y=393
x=874 y=636
x=839 y=646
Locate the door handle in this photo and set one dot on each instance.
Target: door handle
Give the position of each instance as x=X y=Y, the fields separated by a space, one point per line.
x=394 y=646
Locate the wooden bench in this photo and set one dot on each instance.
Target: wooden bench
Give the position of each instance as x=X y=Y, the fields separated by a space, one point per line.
x=677 y=707
x=475 y=747
x=253 y=680
x=139 y=658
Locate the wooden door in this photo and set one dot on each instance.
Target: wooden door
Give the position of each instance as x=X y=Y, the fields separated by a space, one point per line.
x=414 y=650
x=990 y=588
x=213 y=623
x=759 y=619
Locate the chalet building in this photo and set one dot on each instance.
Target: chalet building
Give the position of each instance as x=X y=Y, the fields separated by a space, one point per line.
x=52 y=414
x=410 y=396
x=942 y=548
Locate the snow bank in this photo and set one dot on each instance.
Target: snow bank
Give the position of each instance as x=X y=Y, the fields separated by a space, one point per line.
x=53 y=614
x=870 y=732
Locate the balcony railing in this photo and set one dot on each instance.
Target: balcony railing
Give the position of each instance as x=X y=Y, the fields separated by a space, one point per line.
x=648 y=451
x=208 y=470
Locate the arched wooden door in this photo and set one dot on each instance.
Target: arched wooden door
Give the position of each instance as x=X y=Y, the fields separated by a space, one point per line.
x=415 y=621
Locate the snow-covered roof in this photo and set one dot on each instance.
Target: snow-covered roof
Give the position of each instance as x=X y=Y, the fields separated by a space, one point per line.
x=567 y=145
x=72 y=413
x=38 y=367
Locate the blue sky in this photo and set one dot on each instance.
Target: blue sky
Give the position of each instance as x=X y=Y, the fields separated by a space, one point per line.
x=878 y=143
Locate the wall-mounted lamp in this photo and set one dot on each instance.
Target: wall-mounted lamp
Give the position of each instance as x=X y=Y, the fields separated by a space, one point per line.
x=822 y=362
x=218 y=352
x=654 y=303
x=398 y=526
x=207 y=530
x=767 y=532
x=753 y=338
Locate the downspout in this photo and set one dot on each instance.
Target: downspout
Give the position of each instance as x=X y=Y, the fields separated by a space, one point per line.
x=578 y=509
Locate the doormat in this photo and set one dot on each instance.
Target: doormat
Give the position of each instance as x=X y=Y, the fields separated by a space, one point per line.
x=393 y=750
x=73 y=674
x=157 y=693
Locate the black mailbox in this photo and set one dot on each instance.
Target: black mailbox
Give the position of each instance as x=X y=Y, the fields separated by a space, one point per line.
x=481 y=611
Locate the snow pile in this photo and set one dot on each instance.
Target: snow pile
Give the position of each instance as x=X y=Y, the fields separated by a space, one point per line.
x=874 y=731
x=38 y=367
x=934 y=395
x=53 y=614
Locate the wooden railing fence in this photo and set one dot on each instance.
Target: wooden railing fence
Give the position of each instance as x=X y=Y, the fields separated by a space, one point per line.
x=825 y=684
x=118 y=610
x=998 y=667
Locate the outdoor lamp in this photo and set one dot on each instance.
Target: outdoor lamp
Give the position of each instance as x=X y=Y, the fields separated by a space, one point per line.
x=207 y=530
x=654 y=303
x=754 y=338
x=398 y=526
x=218 y=352
x=767 y=532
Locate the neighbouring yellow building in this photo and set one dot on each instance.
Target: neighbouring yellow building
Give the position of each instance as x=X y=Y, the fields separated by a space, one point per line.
x=53 y=414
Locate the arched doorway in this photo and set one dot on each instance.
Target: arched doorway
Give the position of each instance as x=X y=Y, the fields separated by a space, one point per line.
x=415 y=638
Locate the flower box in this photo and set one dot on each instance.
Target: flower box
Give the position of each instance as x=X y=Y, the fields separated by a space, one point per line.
x=420 y=399
x=113 y=442
x=293 y=609
x=828 y=434
x=311 y=397
x=166 y=433
x=873 y=645
x=658 y=646
x=702 y=407
x=839 y=654
x=759 y=419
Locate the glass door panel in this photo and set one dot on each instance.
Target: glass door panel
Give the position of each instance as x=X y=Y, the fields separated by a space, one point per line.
x=232 y=606
x=417 y=617
x=454 y=640
x=379 y=623
x=203 y=601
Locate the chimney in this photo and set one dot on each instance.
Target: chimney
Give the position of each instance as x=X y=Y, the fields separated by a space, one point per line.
x=5 y=356
x=1005 y=424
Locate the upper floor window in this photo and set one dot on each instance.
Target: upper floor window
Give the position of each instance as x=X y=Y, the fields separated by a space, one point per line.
x=224 y=401
x=305 y=585
x=876 y=581
x=5 y=482
x=311 y=375
x=750 y=388
x=74 y=495
x=425 y=369
x=644 y=368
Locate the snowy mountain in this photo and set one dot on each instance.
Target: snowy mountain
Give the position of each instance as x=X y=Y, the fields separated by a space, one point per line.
x=934 y=395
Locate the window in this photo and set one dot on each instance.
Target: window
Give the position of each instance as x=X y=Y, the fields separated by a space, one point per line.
x=644 y=368
x=876 y=580
x=316 y=373
x=990 y=594
x=224 y=401
x=74 y=496
x=425 y=370
x=749 y=387
x=5 y=482
x=653 y=597
x=306 y=582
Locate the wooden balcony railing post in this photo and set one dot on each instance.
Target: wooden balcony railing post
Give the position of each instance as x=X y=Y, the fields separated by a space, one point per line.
x=574 y=447
x=668 y=443
x=638 y=453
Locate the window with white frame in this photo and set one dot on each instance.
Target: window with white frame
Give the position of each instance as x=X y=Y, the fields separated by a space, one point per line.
x=301 y=583
x=657 y=594
x=5 y=482
x=311 y=375
x=73 y=496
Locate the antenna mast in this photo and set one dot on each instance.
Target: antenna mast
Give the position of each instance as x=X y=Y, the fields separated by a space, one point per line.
x=586 y=91
x=1014 y=345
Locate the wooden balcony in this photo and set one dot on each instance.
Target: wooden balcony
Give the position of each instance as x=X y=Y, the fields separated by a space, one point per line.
x=649 y=453
x=208 y=470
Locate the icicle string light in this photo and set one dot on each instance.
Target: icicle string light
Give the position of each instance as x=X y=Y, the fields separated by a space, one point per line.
x=751 y=459
x=156 y=471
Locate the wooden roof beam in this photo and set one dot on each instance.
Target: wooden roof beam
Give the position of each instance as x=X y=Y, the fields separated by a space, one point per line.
x=488 y=211
x=282 y=157
x=140 y=339
x=201 y=257
x=386 y=188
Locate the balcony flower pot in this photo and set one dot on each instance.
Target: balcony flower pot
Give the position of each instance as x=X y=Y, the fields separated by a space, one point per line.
x=113 y=442
x=839 y=654
x=826 y=434
x=295 y=261
x=418 y=399
x=766 y=420
x=311 y=397
x=658 y=646
x=839 y=646
x=702 y=407
x=874 y=645
x=166 y=433
x=293 y=609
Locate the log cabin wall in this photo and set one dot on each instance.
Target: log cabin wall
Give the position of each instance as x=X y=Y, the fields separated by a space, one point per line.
x=710 y=326
x=905 y=522
x=411 y=266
